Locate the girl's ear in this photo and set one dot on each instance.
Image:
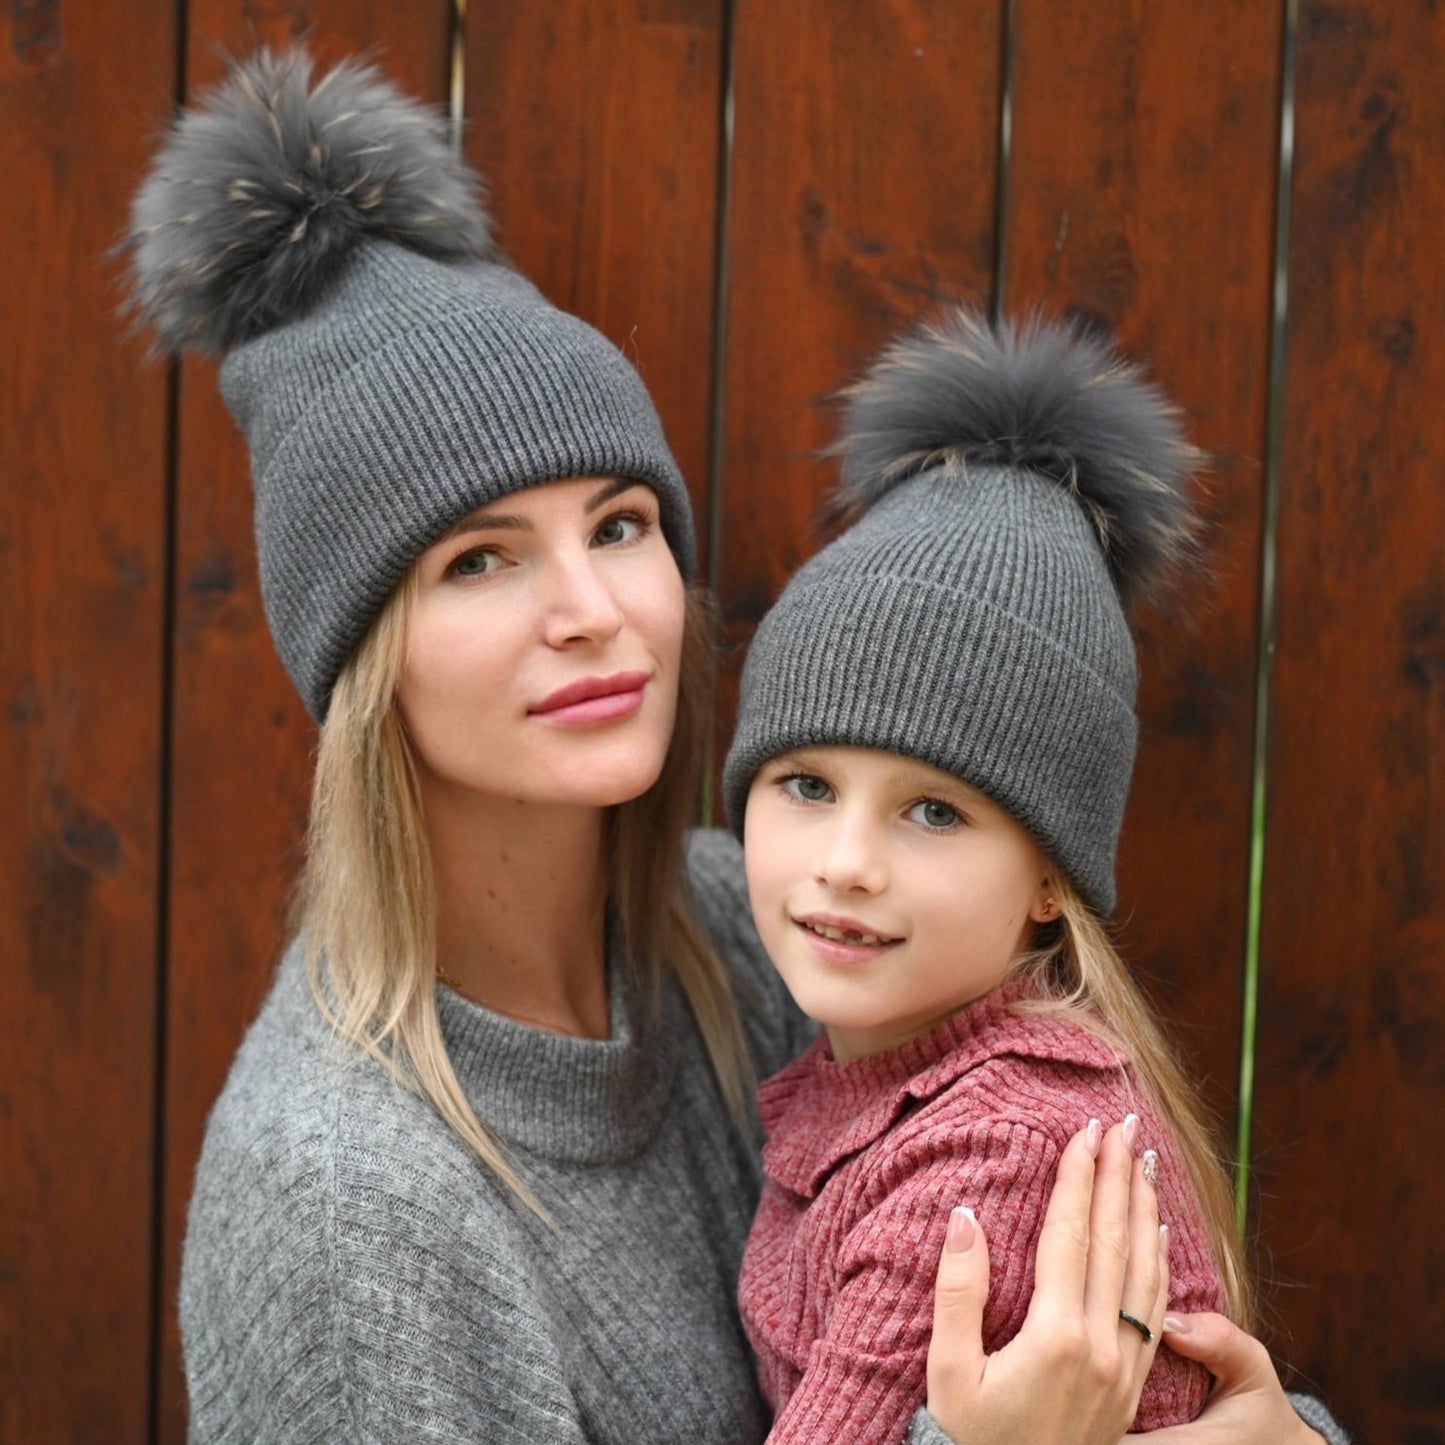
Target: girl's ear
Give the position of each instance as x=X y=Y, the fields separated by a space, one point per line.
x=1045 y=907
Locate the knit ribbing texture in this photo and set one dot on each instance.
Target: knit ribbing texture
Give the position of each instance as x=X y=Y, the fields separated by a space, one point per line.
x=352 y=1273
x=864 y=1163
x=416 y=392
x=969 y=622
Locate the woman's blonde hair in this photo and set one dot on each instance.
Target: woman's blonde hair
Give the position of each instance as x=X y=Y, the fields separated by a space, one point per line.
x=367 y=902
x=1076 y=970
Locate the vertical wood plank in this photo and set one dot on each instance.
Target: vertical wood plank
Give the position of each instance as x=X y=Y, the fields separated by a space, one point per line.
x=82 y=579
x=597 y=126
x=1350 y=1083
x=862 y=194
x=241 y=751
x=1142 y=194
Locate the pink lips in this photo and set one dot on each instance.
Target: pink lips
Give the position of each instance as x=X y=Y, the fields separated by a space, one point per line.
x=594 y=699
x=843 y=951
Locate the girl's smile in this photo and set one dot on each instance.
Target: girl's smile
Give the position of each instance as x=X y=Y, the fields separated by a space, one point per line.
x=889 y=894
x=844 y=940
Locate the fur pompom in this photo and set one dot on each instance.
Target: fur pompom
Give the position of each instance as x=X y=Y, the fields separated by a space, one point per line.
x=1036 y=396
x=259 y=193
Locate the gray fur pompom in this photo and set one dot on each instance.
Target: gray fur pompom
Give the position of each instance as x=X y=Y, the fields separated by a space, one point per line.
x=1034 y=395
x=261 y=191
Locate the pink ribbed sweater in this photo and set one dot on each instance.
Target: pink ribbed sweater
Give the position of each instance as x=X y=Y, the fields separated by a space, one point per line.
x=864 y=1162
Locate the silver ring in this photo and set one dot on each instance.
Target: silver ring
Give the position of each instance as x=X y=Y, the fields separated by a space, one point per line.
x=1145 y=1333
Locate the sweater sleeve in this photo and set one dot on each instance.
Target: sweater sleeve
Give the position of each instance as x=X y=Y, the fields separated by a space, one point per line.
x=1316 y=1415
x=332 y=1298
x=925 y=1430
x=865 y=1375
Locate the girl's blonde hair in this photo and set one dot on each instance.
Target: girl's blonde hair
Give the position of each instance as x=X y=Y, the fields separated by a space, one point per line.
x=1077 y=971
x=367 y=902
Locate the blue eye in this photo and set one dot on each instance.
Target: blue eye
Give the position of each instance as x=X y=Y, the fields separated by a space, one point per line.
x=623 y=527
x=932 y=813
x=806 y=788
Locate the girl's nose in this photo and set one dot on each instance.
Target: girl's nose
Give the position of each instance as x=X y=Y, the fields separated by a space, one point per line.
x=580 y=603
x=853 y=858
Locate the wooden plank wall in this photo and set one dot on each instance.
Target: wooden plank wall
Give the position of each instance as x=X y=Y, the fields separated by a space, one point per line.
x=1351 y=1082
x=83 y=499
x=1130 y=123
x=750 y=197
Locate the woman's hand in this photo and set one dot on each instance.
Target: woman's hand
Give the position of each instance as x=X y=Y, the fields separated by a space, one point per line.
x=1073 y=1374
x=1248 y=1402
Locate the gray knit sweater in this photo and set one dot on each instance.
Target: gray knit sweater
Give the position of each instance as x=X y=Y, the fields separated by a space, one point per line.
x=351 y=1273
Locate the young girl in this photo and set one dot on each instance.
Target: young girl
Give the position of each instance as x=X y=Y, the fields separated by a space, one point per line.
x=933 y=753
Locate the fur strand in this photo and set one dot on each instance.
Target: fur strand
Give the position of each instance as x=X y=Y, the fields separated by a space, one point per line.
x=261 y=191
x=1038 y=396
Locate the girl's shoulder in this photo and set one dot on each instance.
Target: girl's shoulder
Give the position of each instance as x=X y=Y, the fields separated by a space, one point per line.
x=1045 y=1071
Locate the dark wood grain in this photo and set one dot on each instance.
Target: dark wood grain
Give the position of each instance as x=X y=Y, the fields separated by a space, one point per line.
x=597 y=125
x=863 y=190
x=1351 y=1088
x=82 y=579
x=1142 y=196
x=240 y=775
x=862 y=193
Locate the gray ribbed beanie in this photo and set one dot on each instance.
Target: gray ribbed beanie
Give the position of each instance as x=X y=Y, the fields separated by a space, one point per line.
x=1012 y=489
x=390 y=373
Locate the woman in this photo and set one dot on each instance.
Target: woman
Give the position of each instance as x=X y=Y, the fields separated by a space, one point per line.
x=485 y=1162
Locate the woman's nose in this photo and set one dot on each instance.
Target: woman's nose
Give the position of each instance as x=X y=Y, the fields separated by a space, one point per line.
x=580 y=603
x=853 y=858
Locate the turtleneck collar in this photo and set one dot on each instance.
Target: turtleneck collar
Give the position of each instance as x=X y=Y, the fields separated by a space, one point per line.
x=566 y=1098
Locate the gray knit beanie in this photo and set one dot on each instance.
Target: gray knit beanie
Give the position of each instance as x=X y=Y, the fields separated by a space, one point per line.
x=1011 y=490
x=390 y=372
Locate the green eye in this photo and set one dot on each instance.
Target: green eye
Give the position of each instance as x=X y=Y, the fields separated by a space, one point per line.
x=621 y=528
x=933 y=814
x=807 y=788
x=476 y=563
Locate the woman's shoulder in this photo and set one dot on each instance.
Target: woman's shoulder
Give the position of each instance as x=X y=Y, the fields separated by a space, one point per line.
x=714 y=862
x=303 y=1112
x=776 y=1028
x=334 y=1220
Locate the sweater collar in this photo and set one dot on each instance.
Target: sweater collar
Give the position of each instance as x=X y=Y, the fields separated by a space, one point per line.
x=581 y=1100
x=817 y=1111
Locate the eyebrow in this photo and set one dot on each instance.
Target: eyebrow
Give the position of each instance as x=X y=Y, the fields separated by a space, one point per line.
x=484 y=521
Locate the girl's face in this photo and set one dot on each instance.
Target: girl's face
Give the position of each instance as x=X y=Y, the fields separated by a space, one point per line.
x=542 y=647
x=889 y=894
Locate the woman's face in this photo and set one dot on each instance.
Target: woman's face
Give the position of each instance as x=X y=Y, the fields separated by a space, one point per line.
x=542 y=647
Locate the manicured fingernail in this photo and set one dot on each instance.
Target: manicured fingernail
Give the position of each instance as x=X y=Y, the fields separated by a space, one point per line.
x=1131 y=1128
x=1092 y=1136
x=1150 y=1165
x=961 y=1230
x=1175 y=1325
x=1164 y=1238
